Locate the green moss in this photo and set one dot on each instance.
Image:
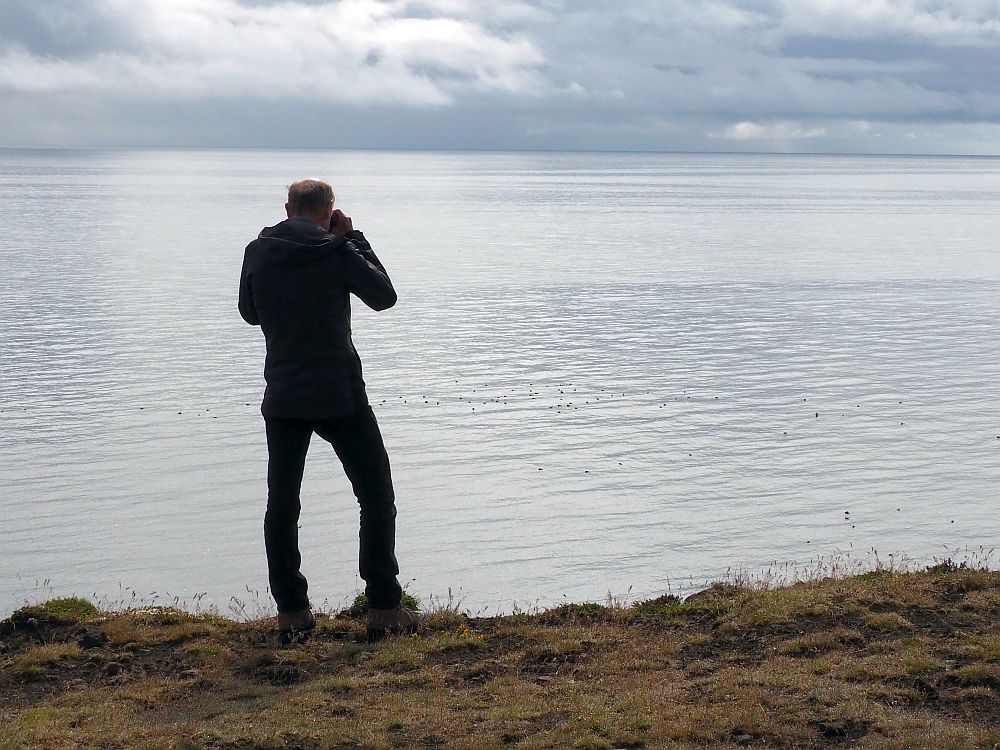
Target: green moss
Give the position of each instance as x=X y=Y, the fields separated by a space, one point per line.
x=66 y=611
x=663 y=605
x=360 y=604
x=33 y=717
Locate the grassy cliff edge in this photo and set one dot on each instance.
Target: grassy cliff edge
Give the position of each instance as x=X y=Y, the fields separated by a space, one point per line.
x=886 y=659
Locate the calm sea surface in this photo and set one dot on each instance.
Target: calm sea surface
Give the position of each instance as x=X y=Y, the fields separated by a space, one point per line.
x=604 y=372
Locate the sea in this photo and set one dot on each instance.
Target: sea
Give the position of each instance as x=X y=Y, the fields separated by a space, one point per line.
x=608 y=375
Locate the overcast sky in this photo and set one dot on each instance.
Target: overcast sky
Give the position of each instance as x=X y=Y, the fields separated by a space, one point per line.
x=883 y=76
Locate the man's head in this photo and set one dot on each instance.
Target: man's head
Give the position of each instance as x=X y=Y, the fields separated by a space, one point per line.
x=311 y=199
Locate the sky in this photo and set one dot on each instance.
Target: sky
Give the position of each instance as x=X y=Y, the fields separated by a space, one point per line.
x=827 y=76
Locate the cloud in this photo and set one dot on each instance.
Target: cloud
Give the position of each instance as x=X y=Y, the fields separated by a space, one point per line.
x=961 y=22
x=506 y=73
x=358 y=51
x=776 y=131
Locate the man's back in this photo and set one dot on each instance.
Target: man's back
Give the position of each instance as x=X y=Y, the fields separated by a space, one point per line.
x=296 y=284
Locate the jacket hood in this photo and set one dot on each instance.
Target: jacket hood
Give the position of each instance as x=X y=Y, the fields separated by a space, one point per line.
x=295 y=241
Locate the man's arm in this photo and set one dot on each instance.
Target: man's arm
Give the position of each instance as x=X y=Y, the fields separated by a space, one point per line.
x=247 y=308
x=366 y=276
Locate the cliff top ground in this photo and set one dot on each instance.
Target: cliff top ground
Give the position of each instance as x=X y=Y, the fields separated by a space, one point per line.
x=886 y=659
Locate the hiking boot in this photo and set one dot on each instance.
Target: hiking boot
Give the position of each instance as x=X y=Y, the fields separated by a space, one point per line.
x=295 y=627
x=384 y=622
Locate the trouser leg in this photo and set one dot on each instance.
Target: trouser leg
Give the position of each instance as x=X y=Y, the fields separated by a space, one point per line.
x=358 y=443
x=287 y=444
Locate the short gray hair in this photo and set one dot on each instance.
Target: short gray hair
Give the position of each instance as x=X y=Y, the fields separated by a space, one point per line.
x=308 y=196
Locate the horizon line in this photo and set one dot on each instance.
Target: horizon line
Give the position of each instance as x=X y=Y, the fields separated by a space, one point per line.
x=403 y=149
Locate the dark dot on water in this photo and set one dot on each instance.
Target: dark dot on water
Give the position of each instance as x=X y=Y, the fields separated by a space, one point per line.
x=817 y=414
x=852 y=526
x=953 y=522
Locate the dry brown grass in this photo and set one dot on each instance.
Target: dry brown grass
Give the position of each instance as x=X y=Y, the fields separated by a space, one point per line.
x=883 y=660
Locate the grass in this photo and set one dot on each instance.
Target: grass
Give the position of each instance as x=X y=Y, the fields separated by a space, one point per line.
x=884 y=659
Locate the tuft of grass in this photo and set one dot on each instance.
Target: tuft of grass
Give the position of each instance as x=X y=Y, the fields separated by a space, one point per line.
x=37 y=661
x=399 y=655
x=69 y=610
x=820 y=642
x=886 y=621
x=360 y=604
x=667 y=604
x=584 y=610
x=985 y=675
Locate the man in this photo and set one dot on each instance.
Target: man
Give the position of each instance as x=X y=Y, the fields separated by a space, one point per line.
x=296 y=284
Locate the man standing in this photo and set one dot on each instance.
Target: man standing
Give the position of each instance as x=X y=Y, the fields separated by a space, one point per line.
x=296 y=284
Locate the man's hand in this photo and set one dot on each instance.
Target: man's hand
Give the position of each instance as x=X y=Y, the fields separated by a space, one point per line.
x=341 y=223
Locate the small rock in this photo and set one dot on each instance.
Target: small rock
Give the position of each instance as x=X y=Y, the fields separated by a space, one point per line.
x=92 y=639
x=111 y=669
x=190 y=674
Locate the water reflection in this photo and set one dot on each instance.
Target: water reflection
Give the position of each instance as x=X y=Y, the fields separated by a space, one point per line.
x=567 y=413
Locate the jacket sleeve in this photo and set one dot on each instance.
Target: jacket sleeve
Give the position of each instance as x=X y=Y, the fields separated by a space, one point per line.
x=366 y=276
x=246 y=305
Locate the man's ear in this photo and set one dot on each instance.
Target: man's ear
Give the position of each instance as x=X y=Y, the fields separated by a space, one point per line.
x=288 y=210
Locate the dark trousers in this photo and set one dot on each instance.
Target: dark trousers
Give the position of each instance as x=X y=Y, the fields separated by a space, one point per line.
x=358 y=443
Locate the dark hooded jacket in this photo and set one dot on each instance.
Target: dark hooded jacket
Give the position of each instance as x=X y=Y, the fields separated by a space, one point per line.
x=296 y=285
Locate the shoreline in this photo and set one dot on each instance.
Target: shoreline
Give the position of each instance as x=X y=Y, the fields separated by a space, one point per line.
x=884 y=659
